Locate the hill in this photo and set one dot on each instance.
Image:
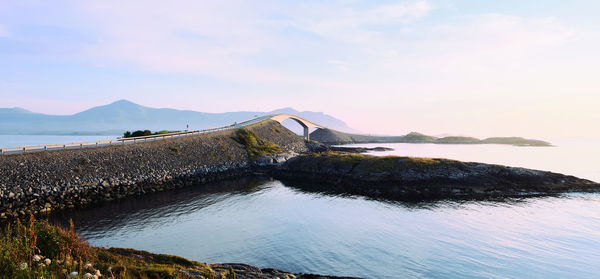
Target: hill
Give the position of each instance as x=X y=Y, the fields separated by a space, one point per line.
x=123 y=115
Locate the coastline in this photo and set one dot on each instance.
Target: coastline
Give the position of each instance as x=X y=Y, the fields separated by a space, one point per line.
x=39 y=183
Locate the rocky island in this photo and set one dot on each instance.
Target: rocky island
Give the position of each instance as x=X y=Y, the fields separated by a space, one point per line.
x=400 y=178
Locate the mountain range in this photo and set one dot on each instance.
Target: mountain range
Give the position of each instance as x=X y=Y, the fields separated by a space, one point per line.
x=123 y=115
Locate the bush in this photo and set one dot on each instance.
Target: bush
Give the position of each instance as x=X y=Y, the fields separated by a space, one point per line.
x=140 y=133
x=256 y=146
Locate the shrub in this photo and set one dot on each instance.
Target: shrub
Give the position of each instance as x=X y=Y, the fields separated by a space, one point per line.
x=256 y=146
x=140 y=133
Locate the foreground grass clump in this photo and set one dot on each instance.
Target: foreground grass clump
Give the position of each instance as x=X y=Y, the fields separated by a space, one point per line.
x=40 y=250
x=256 y=146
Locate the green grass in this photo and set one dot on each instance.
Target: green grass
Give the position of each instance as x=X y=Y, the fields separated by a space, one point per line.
x=255 y=146
x=345 y=158
x=381 y=163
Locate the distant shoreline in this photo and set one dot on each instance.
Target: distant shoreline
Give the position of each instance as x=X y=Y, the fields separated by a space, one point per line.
x=334 y=137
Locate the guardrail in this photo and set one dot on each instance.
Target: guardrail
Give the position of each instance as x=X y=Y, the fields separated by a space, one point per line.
x=122 y=141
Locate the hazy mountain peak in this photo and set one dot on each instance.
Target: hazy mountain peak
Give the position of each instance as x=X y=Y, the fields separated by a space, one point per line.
x=124 y=115
x=16 y=110
x=289 y=110
x=123 y=103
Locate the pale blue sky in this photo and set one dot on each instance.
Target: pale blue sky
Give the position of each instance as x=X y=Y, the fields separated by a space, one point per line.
x=484 y=68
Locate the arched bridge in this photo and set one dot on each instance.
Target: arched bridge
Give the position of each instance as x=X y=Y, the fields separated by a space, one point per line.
x=303 y=122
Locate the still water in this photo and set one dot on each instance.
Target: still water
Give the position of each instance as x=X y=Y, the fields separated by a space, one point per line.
x=270 y=224
x=20 y=140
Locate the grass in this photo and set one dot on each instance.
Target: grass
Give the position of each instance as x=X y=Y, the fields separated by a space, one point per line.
x=255 y=146
x=337 y=157
x=38 y=249
x=381 y=163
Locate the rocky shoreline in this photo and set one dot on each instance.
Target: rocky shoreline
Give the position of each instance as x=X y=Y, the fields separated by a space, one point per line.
x=46 y=181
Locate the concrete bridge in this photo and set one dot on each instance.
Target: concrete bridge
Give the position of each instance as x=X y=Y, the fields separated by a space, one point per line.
x=120 y=141
x=303 y=122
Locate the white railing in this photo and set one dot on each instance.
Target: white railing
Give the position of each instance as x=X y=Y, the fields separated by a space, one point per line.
x=122 y=141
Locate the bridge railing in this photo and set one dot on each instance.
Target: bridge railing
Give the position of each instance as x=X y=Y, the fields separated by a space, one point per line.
x=122 y=141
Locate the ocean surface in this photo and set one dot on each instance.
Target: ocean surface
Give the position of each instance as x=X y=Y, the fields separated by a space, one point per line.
x=20 y=140
x=267 y=223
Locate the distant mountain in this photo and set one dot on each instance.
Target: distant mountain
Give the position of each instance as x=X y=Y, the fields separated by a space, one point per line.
x=123 y=115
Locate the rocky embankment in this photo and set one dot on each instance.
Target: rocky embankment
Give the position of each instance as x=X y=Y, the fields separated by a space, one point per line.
x=45 y=181
x=405 y=177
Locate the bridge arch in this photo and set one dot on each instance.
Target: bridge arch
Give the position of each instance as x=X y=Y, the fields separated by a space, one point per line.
x=303 y=122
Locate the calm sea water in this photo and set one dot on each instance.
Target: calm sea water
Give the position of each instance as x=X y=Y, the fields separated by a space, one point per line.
x=578 y=157
x=271 y=224
x=20 y=140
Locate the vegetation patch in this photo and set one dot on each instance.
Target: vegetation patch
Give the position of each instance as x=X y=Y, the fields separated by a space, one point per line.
x=256 y=146
x=417 y=162
x=371 y=163
x=346 y=158
x=175 y=149
x=38 y=249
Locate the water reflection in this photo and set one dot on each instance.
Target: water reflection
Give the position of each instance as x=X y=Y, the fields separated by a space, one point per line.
x=166 y=207
x=408 y=202
x=162 y=207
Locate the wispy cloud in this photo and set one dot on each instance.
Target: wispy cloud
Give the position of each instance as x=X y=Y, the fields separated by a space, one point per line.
x=351 y=24
x=215 y=40
x=490 y=41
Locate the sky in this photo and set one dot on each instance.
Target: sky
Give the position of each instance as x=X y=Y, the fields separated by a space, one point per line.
x=479 y=68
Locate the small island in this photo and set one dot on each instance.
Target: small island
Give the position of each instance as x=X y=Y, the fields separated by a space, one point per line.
x=413 y=178
x=330 y=136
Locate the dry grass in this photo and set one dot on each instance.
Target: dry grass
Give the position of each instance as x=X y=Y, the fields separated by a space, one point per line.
x=40 y=250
